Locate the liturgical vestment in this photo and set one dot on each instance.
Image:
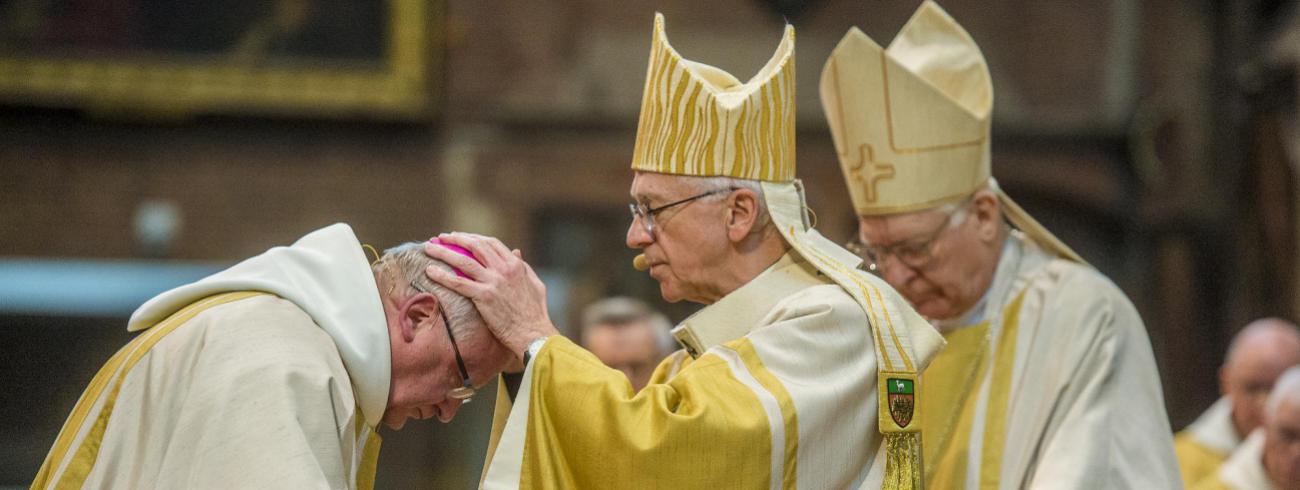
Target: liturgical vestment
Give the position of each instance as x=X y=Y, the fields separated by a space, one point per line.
x=1205 y=444
x=791 y=403
x=1243 y=470
x=1049 y=383
x=270 y=374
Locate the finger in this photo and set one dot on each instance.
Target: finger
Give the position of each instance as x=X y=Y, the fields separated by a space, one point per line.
x=498 y=249
x=465 y=264
x=518 y=254
x=478 y=245
x=459 y=285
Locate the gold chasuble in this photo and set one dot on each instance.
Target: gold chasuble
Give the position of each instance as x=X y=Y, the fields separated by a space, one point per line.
x=950 y=383
x=1049 y=382
x=804 y=377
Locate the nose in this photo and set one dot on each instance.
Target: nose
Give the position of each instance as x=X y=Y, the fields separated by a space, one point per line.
x=637 y=237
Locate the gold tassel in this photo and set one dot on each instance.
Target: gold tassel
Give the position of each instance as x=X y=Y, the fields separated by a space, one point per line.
x=903 y=461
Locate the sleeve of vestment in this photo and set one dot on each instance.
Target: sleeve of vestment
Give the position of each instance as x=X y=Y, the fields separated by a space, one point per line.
x=1108 y=428
x=588 y=429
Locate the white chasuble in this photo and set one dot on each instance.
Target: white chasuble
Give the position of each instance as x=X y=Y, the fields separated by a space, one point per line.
x=265 y=375
x=1054 y=386
x=171 y=410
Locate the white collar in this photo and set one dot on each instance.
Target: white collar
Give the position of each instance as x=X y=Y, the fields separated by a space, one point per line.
x=327 y=275
x=1214 y=428
x=1245 y=468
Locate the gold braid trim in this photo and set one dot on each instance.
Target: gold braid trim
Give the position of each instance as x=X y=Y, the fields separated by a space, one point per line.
x=903 y=461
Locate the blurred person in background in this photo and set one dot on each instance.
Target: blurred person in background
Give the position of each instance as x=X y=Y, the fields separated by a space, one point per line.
x=1257 y=356
x=800 y=372
x=627 y=335
x=1048 y=379
x=276 y=372
x=1269 y=458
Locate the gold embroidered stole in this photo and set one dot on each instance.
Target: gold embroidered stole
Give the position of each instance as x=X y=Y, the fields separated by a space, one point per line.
x=953 y=383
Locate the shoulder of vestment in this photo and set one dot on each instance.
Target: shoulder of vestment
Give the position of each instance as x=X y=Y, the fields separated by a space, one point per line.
x=824 y=304
x=268 y=335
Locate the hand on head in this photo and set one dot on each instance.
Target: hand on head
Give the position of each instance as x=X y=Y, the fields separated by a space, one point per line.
x=506 y=291
x=439 y=343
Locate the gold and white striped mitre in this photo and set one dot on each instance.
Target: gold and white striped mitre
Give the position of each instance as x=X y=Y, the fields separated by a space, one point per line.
x=701 y=121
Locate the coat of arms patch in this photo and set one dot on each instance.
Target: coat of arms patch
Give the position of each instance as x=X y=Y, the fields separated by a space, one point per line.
x=902 y=400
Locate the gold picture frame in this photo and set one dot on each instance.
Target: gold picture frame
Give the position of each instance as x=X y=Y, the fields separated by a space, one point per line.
x=400 y=85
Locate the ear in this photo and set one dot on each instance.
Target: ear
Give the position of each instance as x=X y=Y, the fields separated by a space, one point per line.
x=419 y=310
x=742 y=214
x=986 y=210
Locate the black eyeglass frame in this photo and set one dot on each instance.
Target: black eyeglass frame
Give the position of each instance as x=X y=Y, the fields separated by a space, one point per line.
x=921 y=251
x=465 y=392
x=647 y=214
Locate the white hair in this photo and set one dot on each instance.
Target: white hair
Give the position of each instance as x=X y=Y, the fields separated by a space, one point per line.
x=621 y=310
x=1286 y=388
x=707 y=184
x=959 y=210
x=406 y=264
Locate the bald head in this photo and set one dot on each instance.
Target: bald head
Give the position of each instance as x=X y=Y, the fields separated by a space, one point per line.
x=1258 y=355
x=1271 y=338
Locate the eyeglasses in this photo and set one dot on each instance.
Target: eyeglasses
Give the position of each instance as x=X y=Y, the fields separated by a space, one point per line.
x=647 y=214
x=465 y=392
x=915 y=253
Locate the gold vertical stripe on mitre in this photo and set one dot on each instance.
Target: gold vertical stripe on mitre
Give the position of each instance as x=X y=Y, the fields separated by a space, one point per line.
x=674 y=111
x=737 y=136
x=710 y=150
x=766 y=149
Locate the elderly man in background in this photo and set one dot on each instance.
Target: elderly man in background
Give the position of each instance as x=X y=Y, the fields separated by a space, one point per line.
x=1269 y=458
x=1257 y=356
x=627 y=335
x=1048 y=379
x=800 y=372
x=275 y=373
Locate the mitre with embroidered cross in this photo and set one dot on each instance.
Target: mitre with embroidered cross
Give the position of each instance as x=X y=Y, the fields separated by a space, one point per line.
x=911 y=122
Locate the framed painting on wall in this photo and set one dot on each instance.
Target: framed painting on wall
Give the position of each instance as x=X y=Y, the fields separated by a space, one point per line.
x=368 y=59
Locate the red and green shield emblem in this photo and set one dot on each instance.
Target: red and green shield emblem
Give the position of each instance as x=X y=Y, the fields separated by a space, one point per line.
x=902 y=400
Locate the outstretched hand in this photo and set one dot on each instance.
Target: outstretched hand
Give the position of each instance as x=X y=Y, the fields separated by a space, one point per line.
x=506 y=291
